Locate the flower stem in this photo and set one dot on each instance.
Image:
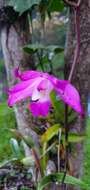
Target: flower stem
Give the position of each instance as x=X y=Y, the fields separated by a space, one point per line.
x=37 y=160
x=58 y=150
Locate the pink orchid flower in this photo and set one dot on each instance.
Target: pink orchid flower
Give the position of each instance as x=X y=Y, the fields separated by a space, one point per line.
x=38 y=86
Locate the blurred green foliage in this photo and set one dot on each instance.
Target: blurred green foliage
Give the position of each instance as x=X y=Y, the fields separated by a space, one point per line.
x=87 y=154
x=7 y=121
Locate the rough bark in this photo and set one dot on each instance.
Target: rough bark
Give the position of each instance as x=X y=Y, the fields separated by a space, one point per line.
x=81 y=76
x=13 y=38
x=81 y=79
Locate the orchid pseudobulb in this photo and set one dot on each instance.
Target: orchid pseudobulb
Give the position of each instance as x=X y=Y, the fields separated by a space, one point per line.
x=38 y=86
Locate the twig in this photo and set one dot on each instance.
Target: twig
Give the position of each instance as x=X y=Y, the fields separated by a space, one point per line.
x=74 y=4
x=37 y=160
x=77 y=49
x=66 y=142
x=58 y=152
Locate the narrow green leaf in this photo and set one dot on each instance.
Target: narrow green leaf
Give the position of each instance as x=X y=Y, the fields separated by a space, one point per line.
x=44 y=158
x=15 y=148
x=58 y=177
x=50 y=133
x=74 y=138
x=48 y=149
x=6 y=162
x=28 y=140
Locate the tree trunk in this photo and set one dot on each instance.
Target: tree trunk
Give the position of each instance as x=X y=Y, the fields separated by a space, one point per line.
x=81 y=80
x=81 y=77
x=13 y=38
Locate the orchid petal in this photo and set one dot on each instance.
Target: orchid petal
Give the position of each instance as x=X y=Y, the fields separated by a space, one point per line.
x=42 y=85
x=26 y=75
x=22 y=91
x=61 y=84
x=21 y=86
x=39 y=108
x=16 y=97
x=71 y=97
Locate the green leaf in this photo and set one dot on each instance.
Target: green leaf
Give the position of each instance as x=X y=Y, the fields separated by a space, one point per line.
x=58 y=107
x=55 y=5
x=28 y=140
x=23 y=5
x=48 y=149
x=57 y=104
x=74 y=138
x=15 y=148
x=44 y=158
x=28 y=161
x=33 y=48
x=44 y=59
x=50 y=133
x=58 y=60
x=55 y=48
x=72 y=115
x=58 y=177
x=6 y=162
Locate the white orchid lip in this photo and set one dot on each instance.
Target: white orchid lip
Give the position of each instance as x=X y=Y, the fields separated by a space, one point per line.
x=36 y=95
